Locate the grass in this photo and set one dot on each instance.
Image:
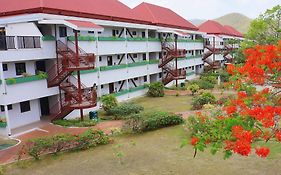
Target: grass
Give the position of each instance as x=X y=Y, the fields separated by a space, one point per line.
x=152 y=153
x=166 y=103
x=75 y=123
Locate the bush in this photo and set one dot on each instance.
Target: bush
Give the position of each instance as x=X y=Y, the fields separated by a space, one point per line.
x=64 y=142
x=203 y=84
x=194 y=88
x=124 y=110
x=152 y=121
x=156 y=90
x=205 y=98
x=75 y=123
x=108 y=102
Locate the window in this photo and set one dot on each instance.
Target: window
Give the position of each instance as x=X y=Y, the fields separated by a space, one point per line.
x=135 y=55
x=10 y=107
x=62 y=31
x=101 y=86
x=20 y=68
x=100 y=58
x=119 y=82
x=144 y=57
x=25 y=106
x=5 y=67
x=118 y=57
x=145 y=78
x=134 y=33
x=115 y=32
x=160 y=75
x=99 y=32
x=192 y=67
x=91 y=31
x=143 y=34
x=136 y=79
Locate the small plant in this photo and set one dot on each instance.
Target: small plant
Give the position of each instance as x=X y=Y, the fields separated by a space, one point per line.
x=42 y=75
x=205 y=98
x=177 y=94
x=75 y=123
x=64 y=142
x=11 y=80
x=151 y=121
x=108 y=102
x=194 y=88
x=25 y=74
x=156 y=90
x=124 y=110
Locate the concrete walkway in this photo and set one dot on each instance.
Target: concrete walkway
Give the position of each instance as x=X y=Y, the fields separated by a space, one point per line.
x=44 y=128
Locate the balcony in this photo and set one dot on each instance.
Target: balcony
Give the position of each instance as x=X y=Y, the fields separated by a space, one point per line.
x=14 y=48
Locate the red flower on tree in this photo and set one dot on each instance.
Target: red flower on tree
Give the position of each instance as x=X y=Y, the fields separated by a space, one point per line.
x=262 y=152
x=194 y=141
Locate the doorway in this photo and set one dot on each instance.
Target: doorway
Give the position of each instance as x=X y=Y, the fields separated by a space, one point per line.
x=44 y=106
x=111 y=88
x=3 y=44
x=40 y=66
x=109 y=61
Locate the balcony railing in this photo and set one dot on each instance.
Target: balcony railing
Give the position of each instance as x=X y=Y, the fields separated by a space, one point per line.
x=28 y=42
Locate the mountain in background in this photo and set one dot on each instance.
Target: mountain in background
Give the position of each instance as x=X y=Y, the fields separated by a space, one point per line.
x=236 y=20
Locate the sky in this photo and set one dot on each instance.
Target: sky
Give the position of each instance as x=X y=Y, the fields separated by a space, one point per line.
x=211 y=9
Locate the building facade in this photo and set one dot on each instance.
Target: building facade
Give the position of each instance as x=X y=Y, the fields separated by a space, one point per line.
x=56 y=59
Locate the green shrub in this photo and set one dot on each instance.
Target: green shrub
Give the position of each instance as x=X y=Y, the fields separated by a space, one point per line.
x=2 y=170
x=108 y=102
x=64 y=142
x=194 y=88
x=205 y=84
x=75 y=123
x=151 y=121
x=156 y=90
x=124 y=110
x=42 y=75
x=199 y=101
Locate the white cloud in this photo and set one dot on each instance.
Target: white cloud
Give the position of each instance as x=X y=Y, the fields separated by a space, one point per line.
x=210 y=9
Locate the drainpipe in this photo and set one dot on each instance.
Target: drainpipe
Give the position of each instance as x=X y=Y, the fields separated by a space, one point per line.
x=176 y=50
x=126 y=59
x=98 y=65
x=78 y=73
x=4 y=90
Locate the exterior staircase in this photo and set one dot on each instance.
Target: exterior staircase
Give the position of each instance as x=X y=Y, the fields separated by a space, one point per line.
x=60 y=74
x=166 y=63
x=211 y=50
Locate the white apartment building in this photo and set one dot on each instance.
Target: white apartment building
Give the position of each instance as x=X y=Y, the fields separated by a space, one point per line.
x=57 y=57
x=219 y=43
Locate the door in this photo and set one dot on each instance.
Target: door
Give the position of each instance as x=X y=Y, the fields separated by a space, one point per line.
x=111 y=88
x=3 y=44
x=44 y=105
x=40 y=66
x=109 y=61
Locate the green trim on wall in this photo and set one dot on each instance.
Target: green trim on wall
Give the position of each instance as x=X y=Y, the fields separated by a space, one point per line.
x=82 y=38
x=154 y=39
x=11 y=81
x=137 y=88
x=190 y=73
x=153 y=61
x=122 y=92
x=138 y=64
x=48 y=38
x=111 y=39
x=137 y=39
x=106 y=68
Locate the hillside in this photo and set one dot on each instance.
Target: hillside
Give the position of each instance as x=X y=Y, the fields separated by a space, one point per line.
x=236 y=20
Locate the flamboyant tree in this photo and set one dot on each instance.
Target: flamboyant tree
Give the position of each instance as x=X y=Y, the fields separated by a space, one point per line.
x=250 y=119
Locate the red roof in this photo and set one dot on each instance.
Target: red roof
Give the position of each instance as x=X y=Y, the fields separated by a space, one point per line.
x=213 y=27
x=162 y=16
x=84 y=24
x=233 y=31
x=98 y=9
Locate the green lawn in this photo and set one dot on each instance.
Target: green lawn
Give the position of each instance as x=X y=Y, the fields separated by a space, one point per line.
x=167 y=103
x=152 y=153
